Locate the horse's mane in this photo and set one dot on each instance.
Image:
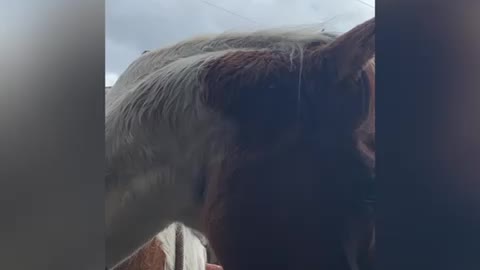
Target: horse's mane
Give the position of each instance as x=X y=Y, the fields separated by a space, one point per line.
x=183 y=249
x=292 y=40
x=167 y=81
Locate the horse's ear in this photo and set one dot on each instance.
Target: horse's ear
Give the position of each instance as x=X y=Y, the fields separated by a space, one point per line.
x=347 y=54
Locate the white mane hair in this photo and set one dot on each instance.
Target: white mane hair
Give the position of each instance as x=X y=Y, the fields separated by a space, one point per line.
x=193 y=252
x=161 y=140
x=290 y=39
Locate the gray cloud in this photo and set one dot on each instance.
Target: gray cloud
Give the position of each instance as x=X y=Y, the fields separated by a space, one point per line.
x=135 y=26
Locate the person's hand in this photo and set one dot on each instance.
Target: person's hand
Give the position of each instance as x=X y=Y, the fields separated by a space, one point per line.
x=213 y=267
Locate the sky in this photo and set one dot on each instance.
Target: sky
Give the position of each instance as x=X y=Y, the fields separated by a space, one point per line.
x=133 y=26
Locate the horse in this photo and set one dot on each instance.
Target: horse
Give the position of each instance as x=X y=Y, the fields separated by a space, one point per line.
x=175 y=248
x=264 y=141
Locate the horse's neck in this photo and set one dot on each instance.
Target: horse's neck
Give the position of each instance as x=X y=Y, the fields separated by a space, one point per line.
x=175 y=248
x=184 y=251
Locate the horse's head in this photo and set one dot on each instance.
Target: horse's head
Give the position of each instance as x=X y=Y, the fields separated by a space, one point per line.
x=279 y=128
x=292 y=190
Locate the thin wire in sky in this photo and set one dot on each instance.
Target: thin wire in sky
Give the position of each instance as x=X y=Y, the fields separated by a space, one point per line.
x=255 y=22
x=366 y=4
x=229 y=11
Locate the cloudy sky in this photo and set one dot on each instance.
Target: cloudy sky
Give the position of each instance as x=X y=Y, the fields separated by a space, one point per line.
x=133 y=26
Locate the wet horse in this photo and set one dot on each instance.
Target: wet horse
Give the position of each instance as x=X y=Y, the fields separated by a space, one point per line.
x=264 y=141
